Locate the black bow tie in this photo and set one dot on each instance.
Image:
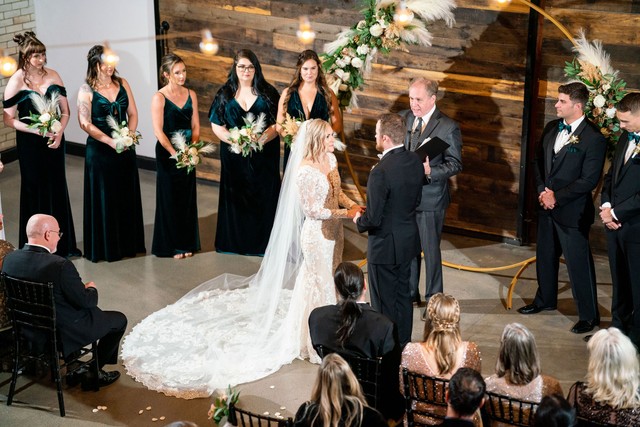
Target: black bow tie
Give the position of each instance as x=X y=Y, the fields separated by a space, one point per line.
x=634 y=137
x=563 y=126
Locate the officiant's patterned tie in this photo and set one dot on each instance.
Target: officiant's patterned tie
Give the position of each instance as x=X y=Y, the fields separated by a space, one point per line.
x=415 y=135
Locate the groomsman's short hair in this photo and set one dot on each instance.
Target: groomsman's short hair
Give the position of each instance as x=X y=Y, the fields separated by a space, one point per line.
x=578 y=92
x=630 y=102
x=394 y=126
x=431 y=86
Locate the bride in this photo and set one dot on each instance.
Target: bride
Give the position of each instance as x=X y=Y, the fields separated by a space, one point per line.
x=234 y=329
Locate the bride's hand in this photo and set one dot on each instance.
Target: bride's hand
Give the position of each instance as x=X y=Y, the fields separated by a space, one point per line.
x=351 y=213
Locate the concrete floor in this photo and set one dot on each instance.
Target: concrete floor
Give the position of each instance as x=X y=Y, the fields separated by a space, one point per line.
x=144 y=284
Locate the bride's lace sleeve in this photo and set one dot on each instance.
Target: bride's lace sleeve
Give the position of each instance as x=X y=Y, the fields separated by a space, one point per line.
x=312 y=189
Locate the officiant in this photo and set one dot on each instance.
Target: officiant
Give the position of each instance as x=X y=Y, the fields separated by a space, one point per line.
x=425 y=125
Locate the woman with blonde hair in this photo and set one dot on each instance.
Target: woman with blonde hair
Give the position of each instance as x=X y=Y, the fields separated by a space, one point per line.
x=518 y=367
x=611 y=394
x=337 y=399
x=442 y=352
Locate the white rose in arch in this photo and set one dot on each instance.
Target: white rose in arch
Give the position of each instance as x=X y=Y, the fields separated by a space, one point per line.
x=376 y=30
x=606 y=87
x=56 y=126
x=363 y=50
x=599 y=101
x=44 y=118
x=340 y=62
x=357 y=63
x=611 y=112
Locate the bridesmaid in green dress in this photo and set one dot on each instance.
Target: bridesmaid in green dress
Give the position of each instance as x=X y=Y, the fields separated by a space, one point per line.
x=43 y=182
x=174 y=108
x=308 y=96
x=113 y=227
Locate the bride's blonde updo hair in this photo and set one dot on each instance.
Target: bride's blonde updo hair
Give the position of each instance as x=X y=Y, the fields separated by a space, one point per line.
x=314 y=145
x=442 y=331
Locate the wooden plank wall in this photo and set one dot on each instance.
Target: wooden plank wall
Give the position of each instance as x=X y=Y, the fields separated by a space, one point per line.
x=480 y=64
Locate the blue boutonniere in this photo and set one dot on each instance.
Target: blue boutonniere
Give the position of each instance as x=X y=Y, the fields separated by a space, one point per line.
x=573 y=141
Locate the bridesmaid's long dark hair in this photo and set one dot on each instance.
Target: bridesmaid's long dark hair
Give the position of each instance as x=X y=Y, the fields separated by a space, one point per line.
x=260 y=87
x=349 y=281
x=321 y=81
x=94 y=59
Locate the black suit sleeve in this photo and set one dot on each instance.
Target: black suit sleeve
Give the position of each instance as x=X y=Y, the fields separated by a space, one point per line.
x=73 y=288
x=378 y=192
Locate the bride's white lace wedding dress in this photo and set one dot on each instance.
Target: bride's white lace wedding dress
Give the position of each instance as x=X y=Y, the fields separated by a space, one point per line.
x=234 y=329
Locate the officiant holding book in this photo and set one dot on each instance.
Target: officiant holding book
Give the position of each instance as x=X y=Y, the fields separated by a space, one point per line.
x=427 y=125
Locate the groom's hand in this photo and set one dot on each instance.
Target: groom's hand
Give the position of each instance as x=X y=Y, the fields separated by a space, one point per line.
x=355 y=218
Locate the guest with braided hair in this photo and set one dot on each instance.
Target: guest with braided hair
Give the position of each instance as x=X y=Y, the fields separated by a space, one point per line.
x=352 y=328
x=442 y=352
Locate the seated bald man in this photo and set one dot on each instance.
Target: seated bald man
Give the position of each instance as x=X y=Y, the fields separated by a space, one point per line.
x=78 y=318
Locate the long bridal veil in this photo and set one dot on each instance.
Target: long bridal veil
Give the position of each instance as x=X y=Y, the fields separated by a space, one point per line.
x=230 y=329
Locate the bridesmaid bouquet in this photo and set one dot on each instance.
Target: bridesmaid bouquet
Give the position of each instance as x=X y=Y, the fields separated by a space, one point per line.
x=47 y=118
x=290 y=127
x=246 y=139
x=125 y=138
x=188 y=155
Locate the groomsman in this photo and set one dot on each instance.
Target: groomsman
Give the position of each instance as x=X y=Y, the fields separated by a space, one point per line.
x=424 y=120
x=620 y=213
x=568 y=167
x=393 y=194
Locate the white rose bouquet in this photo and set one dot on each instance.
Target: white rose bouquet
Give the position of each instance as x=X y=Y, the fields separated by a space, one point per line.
x=290 y=127
x=47 y=118
x=246 y=139
x=189 y=155
x=125 y=138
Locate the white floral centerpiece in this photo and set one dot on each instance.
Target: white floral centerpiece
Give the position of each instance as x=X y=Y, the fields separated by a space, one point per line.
x=47 y=118
x=125 y=138
x=189 y=155
x=592 y=66
x=246 y=139
x=347 y=59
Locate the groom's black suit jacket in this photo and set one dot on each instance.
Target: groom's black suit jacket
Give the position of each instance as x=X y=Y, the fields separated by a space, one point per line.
x=393 y=194
x=78 y=318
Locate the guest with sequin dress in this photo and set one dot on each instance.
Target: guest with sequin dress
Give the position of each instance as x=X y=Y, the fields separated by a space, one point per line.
x=442 y=352
x=518 y=368
x=611 y=393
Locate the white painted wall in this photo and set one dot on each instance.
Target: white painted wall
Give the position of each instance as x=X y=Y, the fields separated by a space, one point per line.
x=69 y=28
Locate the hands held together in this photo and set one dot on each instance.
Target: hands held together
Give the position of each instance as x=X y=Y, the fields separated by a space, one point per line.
x=355 y=212
x=608 y=220
x=547 y=199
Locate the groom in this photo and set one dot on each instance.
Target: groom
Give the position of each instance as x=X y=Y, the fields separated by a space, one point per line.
x=393 y=194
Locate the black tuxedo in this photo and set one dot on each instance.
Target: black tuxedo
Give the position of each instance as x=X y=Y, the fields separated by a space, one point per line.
x=393 y=194
x=435 y=196
x=572 y=174
x=78 y=318
x=622 y=190
x=374 y=335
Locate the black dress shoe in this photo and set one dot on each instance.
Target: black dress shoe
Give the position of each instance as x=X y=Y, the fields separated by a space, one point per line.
x=93 y=383
x=584 y=326
x=419 y=303
x=533 y=309
x=75 y=378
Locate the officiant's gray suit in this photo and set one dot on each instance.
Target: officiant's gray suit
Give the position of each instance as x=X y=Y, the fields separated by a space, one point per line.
x=435 y=195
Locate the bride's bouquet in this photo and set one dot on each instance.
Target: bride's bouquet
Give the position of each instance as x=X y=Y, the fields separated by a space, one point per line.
x=188 y=155
x=125 y=138
x=246 y=139
x=290 y=127
x=47 y=118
